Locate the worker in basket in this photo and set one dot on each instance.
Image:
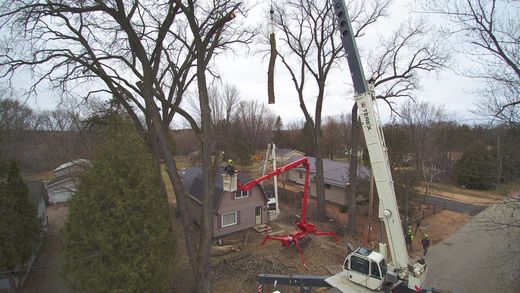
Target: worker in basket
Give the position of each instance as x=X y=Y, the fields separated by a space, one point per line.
x=230 y=169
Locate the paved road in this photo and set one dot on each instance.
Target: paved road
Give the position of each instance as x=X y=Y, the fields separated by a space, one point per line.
x=480 y=257
x=455 y=206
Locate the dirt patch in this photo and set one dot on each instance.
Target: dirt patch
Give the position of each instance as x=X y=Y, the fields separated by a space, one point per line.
x=238 y=272
x=45 y=274
x=438 y=227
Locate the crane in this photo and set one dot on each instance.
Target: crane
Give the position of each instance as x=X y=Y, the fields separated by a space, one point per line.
x=364 y=268
x=231 y=183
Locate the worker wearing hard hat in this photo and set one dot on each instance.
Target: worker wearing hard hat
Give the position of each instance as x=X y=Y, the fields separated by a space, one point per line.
x=230 y=169
x=425 y=243
x=409 y=238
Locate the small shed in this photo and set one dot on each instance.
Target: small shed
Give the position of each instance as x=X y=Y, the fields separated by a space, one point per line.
x=67 y=177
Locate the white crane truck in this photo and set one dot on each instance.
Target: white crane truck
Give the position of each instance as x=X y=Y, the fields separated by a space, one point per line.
x=364 y=270
x=368 y=269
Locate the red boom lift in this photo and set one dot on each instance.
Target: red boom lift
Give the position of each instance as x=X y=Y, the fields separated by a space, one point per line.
x=304 y=228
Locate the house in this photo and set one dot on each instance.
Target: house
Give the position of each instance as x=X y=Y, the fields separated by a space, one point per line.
x=283 y=155
x=65 y=181
x=38 y=196
x=232 y=211
x=335 y=175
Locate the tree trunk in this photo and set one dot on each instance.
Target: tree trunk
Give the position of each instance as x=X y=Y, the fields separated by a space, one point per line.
x=198 y=251
x=203 y=269
x=352 y=191
x=320 y=186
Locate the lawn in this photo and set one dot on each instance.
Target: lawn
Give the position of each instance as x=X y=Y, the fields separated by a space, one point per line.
x=449 y=190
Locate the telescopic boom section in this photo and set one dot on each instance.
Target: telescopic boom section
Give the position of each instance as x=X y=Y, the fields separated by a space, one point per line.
x=304 y=228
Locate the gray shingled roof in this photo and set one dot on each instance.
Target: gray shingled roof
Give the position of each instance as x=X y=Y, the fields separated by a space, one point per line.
x=334 y=172
x=192 y=181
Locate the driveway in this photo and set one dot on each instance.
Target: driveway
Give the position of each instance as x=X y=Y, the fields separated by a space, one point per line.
x=481 y=256
x=45 y=275
x=453 y=205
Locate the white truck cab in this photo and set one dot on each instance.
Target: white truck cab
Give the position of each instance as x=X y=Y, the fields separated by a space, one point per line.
x=366 y=267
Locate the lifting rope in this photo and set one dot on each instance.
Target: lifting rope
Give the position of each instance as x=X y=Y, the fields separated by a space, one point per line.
x=272 y=59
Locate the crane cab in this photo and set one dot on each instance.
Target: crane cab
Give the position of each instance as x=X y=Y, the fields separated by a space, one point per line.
x=366 y=268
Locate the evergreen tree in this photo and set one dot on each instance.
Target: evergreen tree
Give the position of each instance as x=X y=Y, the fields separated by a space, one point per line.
x=117 y=237
x=20 y=228
x=476 y=168
x=306 y=142
x=279 y=138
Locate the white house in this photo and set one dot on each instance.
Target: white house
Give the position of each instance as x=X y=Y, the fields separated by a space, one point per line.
x=283 y=155
x=65 y=181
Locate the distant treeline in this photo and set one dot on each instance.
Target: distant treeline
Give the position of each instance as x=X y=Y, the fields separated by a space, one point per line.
x=37 y=150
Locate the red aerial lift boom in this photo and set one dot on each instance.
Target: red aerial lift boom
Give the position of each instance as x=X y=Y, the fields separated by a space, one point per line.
x=304 y=228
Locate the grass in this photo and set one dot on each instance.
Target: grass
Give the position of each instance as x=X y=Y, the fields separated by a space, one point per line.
x=45 y=176
x=452 y=189
x=507 y=187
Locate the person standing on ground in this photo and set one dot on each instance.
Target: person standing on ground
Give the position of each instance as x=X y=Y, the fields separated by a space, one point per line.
x=409 y=238
x=425 y=243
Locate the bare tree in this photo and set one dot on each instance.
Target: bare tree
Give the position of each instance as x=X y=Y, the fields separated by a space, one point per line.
x=309 y=31
x=14 y=116
x=145 y=55
x=238 y=123
x=335 y=135
x=420 y=118
x=256 y=123
x=486 y=33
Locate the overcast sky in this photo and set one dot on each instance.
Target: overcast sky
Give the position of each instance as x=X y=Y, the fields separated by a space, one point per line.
x=248 y=72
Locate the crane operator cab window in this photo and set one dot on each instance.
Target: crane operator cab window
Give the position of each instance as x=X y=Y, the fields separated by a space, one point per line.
x=359 y=265
x=374 y=270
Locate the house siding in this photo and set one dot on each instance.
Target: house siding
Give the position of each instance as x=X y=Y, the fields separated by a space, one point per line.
x=294 y=176
x=334 y=194
x=61 y=192
x=246 y=207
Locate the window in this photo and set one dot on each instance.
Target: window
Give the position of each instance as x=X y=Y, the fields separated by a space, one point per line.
x=374 y=270
x=229 y=219
x=241 y=194
x=359 y=265
x=383 y=266
x=300 y=174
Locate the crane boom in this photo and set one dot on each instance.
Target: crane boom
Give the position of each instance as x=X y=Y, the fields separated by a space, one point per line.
x=303 y=162
x=364 y=266
x=365 y=99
